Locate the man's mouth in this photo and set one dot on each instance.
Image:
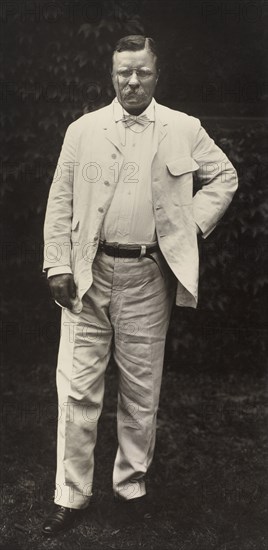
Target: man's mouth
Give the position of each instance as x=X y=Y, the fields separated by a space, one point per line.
x=133 y=95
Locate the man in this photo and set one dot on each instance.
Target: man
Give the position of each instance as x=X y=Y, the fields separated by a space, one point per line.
x=120 y=244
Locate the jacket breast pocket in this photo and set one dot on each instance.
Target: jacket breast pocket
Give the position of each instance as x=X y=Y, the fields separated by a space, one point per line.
x=180 y=180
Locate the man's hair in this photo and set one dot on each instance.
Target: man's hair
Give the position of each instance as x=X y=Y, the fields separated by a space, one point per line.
x=136 y=42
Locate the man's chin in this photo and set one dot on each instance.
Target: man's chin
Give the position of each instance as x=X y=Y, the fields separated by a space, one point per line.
x=134 y=103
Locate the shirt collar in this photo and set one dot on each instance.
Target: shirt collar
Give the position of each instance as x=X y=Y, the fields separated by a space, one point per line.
x=119 y=111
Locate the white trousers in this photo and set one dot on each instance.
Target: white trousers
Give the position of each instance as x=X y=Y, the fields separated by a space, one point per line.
x=126 y=311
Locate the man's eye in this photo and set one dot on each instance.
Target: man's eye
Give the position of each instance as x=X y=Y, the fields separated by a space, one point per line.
x=125 y=74
x=143 y=74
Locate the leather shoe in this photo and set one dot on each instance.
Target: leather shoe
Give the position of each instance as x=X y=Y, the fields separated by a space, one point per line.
x=59 y=519
x=126 y=512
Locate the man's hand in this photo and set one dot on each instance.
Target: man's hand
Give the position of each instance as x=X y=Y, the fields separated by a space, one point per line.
x=63 y=289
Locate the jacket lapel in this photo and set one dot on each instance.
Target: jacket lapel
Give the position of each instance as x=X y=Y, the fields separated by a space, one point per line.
x=110 y=130
x=160 y=128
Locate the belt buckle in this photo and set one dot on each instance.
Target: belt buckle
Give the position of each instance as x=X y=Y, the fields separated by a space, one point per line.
x=143 y=251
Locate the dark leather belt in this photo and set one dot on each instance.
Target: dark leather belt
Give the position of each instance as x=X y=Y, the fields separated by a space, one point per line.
x=127 y=250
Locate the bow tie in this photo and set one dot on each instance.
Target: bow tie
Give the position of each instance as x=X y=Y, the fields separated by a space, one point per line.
x=129 y=120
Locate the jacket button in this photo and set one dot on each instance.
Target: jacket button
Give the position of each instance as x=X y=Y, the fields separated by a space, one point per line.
x=100 y=210
x=106 y=183
x=113 y=156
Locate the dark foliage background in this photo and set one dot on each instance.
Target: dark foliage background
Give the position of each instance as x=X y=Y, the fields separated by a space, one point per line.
x=56 y=67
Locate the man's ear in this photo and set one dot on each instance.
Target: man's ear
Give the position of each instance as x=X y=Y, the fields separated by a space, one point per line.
x=111 y=72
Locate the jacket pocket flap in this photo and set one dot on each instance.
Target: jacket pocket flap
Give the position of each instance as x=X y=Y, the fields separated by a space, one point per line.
x=181 y=166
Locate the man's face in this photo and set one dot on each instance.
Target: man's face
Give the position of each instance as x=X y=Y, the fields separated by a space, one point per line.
x=134 y=78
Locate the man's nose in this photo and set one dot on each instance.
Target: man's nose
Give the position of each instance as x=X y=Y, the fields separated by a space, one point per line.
x=134 y=81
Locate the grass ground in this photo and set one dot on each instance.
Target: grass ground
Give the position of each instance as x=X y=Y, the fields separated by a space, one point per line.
x=206 y=487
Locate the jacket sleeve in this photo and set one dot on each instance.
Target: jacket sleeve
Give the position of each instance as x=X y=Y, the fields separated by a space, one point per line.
x=58 y=219
x=218 y=178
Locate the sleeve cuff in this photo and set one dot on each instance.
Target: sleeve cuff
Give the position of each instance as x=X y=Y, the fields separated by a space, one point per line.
x=61 y=270
x=205 y=234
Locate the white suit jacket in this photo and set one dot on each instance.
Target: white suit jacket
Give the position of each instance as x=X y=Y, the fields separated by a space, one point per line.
x=85 y=180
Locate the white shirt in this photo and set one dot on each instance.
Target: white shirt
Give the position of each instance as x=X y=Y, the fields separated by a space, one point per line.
x=130 y=217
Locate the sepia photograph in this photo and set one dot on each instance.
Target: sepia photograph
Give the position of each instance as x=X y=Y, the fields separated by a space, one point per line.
x=134 y=304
